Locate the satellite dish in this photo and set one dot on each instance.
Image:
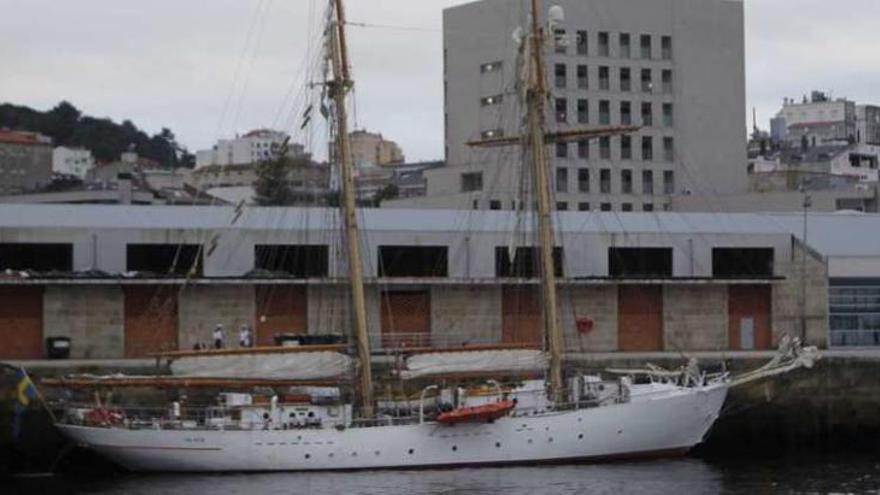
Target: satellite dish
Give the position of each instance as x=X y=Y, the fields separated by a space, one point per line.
x=556 y=15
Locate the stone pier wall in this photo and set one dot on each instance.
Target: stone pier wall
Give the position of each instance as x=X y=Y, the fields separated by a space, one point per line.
x=92 y=316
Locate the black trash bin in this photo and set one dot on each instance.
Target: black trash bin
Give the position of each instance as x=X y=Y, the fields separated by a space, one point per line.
x=287 y=339
x=58 y=347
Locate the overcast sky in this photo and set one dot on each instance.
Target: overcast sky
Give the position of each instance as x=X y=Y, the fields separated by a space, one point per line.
x=211 y=69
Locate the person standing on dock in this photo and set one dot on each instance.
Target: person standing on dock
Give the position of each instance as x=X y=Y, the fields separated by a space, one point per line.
x=245 y=336
x=218 y=336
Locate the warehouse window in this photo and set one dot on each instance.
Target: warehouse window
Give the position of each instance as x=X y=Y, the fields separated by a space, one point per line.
x=640 y=262
x=42 y=257
x=742 y=262
x=297 y=260
x=164 y=259
x=413 y=261
x=526 y=262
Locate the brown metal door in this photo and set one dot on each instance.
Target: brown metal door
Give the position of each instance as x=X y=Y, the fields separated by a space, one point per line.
x=21 y=322
x=640 y=318
x=406 y=318
x=280 y=309
x=520 y=315
x=749 y=310
x=150 y=319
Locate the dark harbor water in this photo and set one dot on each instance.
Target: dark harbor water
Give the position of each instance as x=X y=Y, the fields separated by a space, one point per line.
x=681 y=476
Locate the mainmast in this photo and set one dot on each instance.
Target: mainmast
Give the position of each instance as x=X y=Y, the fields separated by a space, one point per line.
x=340 y=86
x=536 y=95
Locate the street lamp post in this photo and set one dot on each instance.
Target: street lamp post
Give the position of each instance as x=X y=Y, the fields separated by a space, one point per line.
x=808 y=202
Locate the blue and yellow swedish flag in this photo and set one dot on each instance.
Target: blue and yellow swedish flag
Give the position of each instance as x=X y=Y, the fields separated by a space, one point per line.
x=25 y=392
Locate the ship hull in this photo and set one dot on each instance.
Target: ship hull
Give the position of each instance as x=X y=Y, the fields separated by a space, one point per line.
x=658 y=425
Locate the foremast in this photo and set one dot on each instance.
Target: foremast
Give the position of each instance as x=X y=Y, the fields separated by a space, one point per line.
x=340 y=86
x=536 y=95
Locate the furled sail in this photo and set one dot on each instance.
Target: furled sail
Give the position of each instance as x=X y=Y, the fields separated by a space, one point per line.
x=298 y=366
x=506 y=360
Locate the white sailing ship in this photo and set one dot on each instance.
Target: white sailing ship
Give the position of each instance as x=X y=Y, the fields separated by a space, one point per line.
x=313 y=426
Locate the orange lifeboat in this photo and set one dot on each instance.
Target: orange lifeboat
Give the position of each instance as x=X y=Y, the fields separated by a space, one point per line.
x=484 y=413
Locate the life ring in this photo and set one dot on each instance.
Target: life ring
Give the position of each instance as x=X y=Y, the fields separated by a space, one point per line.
x=104 y=417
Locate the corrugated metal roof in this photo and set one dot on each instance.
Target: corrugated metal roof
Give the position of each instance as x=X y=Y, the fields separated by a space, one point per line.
x=830 y=234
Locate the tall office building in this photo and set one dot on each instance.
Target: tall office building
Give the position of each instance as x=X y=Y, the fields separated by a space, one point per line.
x=674 y=67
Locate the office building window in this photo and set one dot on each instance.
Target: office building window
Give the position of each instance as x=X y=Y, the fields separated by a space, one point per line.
x=625 y=79
x=626 y=181
x=645 y=46
x=625 y=51
x=668 y=149
x=666 y=77
x=647 y=148
x=583 y=111
x=668 y=182
x=605 y=148
x=560 y=73
x=648 y=207
x=605 y=207
x=561 y=206
x=666 y=47
x=647 y=182
x=584 y=206
x=581 y=42
x=604 y=112
x=647 y=82
x=490 y=67
x=604 y=78
x=561 y=150
x=626 y=152
x=582 y=80
x=561 y=179
x=583 y=149
x=560 y=34
x=647 y=114
x=495 y=204
x=668 y=119
x=626 y=207
x=584 y=180
x=561 y=110
x=471 y=181
x=625 y=113
x=490 y=100
x=603 y=44
x=605 y=181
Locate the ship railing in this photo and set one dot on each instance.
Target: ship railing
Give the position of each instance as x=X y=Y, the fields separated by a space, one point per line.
x=184 y=417
x=401 y=341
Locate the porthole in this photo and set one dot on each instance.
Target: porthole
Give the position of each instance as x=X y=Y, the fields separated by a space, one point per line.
x=308 y=456
x=330 y=454
x=354 y=454
x=530 y=440
x=581 y=436
x=377 y=452
x=497 y=445
x=411 y=451
x=454 y=448
x=550 y=439
x=580 y=420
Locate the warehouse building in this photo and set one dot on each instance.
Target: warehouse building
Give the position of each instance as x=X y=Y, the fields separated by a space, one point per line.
x=125 y=281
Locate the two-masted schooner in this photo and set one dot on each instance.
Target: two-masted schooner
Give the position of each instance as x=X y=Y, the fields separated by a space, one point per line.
x=546 y=417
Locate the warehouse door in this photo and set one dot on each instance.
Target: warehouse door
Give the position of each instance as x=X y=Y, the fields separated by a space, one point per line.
x=640 y=318
x=749 y=319
x=280 y=309
x=520 y=315
x=150 y=319
x=21 y=322
x=406 y=318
